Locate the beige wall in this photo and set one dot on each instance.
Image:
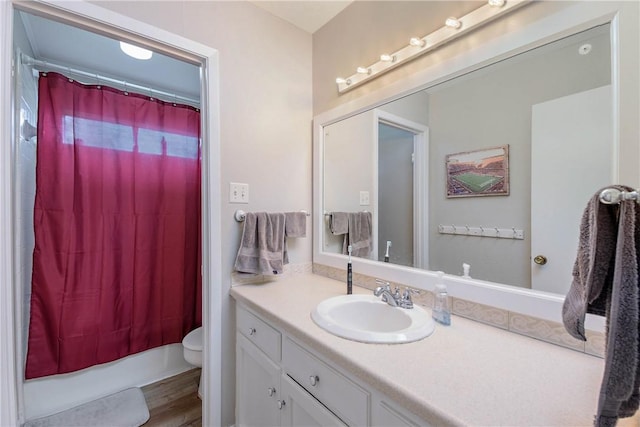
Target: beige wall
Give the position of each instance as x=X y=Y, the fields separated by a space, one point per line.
x=265 y=116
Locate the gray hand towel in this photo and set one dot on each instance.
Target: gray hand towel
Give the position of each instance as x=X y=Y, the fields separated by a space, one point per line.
x=339 y=223
x=359 y=234
x=295 y=224
x=593 y=265
x=262 y=247
x=606 y=283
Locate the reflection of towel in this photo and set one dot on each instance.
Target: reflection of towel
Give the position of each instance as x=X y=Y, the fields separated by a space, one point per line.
x=339 y=223
x=359 y=235
x=295 y=224
x=606 y=283
x=262 y=248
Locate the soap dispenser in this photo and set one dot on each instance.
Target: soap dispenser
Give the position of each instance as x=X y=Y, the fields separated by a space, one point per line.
x=441 y=312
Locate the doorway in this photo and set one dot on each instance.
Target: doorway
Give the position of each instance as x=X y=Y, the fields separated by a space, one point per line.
x=83 y=15
x=401 y=191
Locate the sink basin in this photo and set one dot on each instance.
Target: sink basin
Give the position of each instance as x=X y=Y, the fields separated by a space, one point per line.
x=366 y=318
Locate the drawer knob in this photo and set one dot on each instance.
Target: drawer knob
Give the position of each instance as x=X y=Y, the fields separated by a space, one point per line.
x=252 y=331
x=271 y=391
x=313 y=379
x=281 y=404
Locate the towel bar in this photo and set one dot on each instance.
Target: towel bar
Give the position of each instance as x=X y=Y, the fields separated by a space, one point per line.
x=326 y=213
x=240 y=215
x=613 y=196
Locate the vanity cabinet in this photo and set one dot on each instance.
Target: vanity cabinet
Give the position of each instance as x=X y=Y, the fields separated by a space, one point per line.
x=280 y=382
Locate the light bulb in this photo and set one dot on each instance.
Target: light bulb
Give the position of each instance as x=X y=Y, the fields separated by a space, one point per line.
x=415 y=41
x=453 y=23
x=363 y=70
x=135 y=51
x=387 y=58
x=341 y=81
x=496 y=3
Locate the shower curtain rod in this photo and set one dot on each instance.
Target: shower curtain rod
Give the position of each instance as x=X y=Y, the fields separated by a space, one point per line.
x=46 y=65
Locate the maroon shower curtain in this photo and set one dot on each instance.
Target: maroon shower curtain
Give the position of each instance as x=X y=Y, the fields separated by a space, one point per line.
x=116 y=264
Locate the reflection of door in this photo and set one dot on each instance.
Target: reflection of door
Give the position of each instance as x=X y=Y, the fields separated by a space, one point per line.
x=401 y=190
x=571 y=158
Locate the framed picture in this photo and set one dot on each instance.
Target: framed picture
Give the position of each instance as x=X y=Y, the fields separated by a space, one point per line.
x=478 y=173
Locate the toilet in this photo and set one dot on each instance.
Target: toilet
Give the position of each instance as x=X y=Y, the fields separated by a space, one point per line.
x=192 y=347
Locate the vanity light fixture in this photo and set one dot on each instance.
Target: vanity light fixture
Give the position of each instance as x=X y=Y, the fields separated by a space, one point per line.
x=452 y=22
x=135 y=51
x=474 y=19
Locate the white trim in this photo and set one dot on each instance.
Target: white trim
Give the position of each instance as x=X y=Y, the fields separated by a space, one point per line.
x=87 y=14
x=8 y=377
x=572 y=19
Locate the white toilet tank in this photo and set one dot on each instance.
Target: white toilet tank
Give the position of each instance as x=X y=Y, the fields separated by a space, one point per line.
x=192 y=345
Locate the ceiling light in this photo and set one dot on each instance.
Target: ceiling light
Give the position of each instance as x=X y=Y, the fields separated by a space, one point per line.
x=135 y=51
x=585 y=49
x=387 y=58
x=496 y=3
x=415 y=41
x=453 y=23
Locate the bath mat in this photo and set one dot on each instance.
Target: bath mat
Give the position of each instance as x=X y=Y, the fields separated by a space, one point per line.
x=126 y=408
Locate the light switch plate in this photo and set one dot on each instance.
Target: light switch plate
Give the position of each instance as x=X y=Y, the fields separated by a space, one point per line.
x=238 y=192
x=364 y=198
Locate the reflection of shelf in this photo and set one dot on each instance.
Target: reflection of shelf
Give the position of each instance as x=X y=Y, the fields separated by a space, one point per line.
x=497 y=232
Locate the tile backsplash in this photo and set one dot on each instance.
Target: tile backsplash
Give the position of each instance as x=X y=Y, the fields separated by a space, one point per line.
x=541 y=329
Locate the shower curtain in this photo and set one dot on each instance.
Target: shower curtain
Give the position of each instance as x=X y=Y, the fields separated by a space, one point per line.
x=116 y=264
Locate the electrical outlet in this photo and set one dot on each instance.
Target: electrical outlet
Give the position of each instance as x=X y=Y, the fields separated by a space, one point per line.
x=238 y=192
x=364 y=198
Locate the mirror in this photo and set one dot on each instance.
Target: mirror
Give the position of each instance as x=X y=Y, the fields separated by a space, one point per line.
x=479 y=169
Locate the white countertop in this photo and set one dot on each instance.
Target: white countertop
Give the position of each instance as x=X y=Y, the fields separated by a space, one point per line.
x=464 y=374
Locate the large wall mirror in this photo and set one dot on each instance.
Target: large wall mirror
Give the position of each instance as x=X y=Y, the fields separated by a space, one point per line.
x=546 y=113
x=488 y=161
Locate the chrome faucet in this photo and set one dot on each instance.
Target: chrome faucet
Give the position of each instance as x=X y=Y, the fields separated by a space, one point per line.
x=395 y=299
x=384 y=291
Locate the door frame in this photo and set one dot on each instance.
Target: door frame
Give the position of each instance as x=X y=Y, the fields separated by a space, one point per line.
x=89 y=16
x=420 y=182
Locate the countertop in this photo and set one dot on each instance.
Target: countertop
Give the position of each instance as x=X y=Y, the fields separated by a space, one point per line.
x=464 y=374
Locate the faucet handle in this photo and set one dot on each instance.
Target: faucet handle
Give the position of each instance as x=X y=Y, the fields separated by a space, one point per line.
x=383 y=283
x=410 y=291
x=406 y=300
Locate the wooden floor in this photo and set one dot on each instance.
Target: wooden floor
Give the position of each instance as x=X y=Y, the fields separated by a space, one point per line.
x=174 y=402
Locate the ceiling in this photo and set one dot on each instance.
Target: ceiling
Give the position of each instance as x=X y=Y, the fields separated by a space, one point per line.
x=307 y=15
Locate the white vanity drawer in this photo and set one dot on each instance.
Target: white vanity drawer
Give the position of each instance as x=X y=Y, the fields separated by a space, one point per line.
x=343 y=397
x=258 y=332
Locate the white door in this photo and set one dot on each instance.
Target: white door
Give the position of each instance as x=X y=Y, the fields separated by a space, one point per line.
x=574 y=135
